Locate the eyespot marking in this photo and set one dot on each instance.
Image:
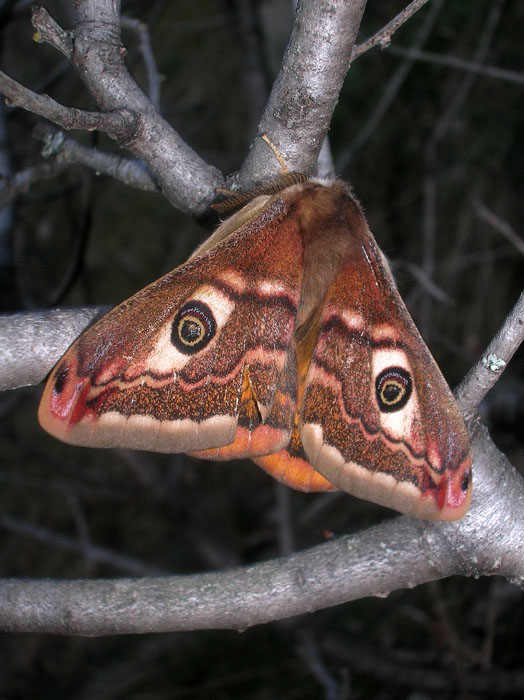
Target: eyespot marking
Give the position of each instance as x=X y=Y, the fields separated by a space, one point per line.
x=193 y=328
x=393 y=387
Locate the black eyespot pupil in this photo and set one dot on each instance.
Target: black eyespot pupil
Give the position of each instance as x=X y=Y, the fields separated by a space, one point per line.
x=193 y=327
x=391 y=392
x=393 y=387
x=190 y=331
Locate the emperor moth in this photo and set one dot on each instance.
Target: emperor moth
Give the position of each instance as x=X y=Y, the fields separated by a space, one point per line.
x=284 y=339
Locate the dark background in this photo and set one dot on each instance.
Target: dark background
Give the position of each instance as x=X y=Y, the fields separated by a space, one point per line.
x=79 y=238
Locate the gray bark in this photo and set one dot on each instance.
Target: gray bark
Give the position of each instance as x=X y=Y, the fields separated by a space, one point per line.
x=398 y=553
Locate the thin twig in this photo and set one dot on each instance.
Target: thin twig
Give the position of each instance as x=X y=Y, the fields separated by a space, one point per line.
x=455 y=104
x=442 y=128
x=253 y=65
x=487 y=371
x=312 y=655
x=7 y=213
x=510 y=76
x=22 y=181
x=95 y=554
x=131 y=172
x=382 y=38
x=50 y=31
x=146 y=50
x=73 y=270
x=286 y=540
x=499 y=225
x=425 y=282
x=388 y=665
x=390 y=92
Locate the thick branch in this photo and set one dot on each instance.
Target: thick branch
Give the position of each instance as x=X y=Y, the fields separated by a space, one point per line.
x=126 y=115
x=305 y=93
x=119 y=124
x=399 y=553
x=185 y=179
x=487 y=541
x=396 y=554
x=31 y=344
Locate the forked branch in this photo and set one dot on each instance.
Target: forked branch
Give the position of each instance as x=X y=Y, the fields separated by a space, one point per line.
x=398 y=553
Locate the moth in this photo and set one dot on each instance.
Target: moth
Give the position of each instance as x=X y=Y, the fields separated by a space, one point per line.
x=284 y=339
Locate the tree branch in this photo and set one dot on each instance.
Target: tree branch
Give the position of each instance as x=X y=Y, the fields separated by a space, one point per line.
x=305 y=93
x=133 y=173
x=126 y=115
x=398 y=669
x=399 y=553
x=185 y=179
x=486 y=541
x=49 y=31
x=92 y=553
x=153 y=77
x=31 y=344
x=382 y=38
x=308 y=85
x=119 y=124
x=391 y=90
x=21 y=182
x=501 y=226
x=484 y=375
